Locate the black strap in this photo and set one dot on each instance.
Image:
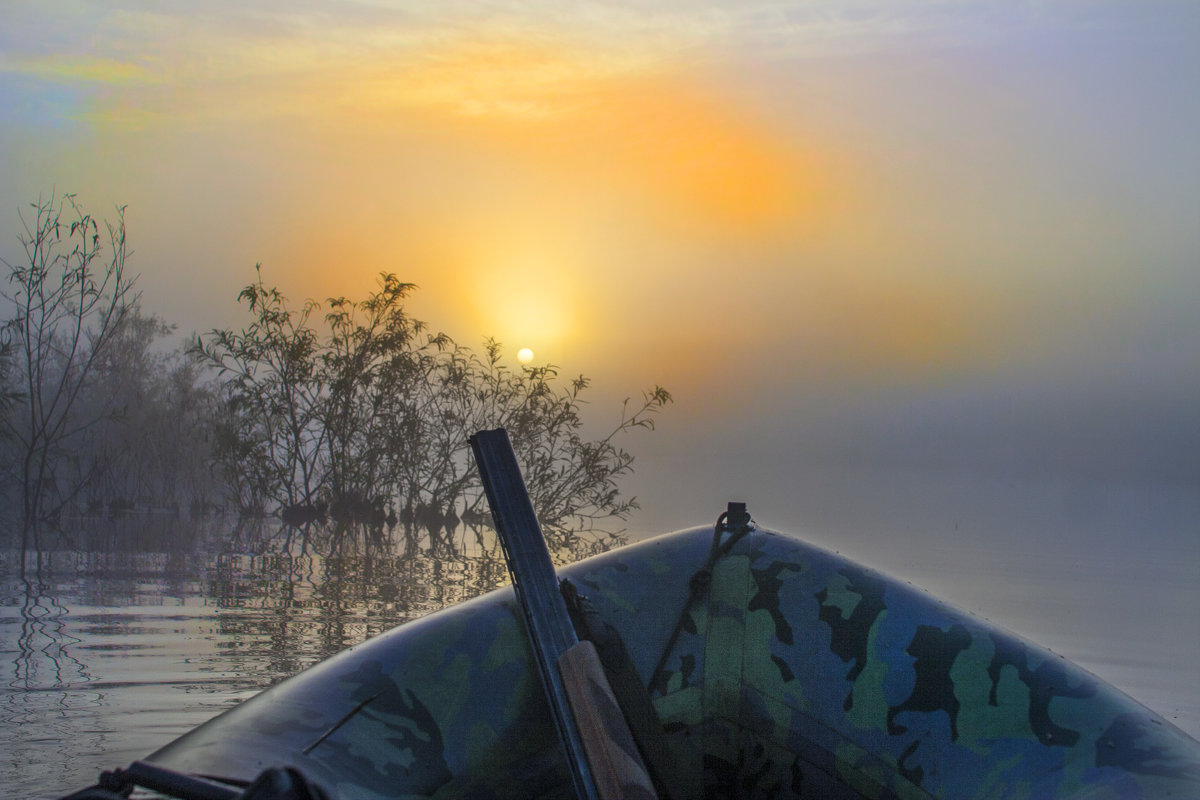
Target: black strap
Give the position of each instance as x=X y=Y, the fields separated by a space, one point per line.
x=734 y=519
x=274 y=783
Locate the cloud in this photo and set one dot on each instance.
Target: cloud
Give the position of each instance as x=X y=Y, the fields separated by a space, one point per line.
x=228 y=59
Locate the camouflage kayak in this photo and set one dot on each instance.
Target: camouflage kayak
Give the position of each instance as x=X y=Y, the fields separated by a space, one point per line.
x=793 y=672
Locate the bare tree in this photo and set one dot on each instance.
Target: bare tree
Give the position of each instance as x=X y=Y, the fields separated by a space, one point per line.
x=71 y=294
x=8 y=395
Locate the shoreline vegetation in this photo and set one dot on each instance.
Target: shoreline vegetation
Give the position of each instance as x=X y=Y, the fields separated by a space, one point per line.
x=343 y=412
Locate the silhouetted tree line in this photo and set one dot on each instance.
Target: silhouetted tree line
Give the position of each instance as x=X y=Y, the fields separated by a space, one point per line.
x=350 y=411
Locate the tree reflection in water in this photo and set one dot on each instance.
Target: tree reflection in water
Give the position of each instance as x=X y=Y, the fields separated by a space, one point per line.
x=43 y=657
x=120 y=634
x=313 y=591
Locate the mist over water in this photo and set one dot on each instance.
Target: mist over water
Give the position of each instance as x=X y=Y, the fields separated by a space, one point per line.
x=920 y=276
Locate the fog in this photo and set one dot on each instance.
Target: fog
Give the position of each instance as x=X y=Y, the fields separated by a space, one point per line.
x=920 y=277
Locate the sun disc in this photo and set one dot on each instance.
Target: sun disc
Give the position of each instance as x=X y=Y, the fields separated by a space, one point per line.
x=524 y=355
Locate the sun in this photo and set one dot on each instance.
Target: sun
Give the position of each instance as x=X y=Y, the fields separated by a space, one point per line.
x=524 y=355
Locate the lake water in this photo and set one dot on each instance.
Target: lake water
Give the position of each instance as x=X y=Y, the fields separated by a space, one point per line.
x=124 y=634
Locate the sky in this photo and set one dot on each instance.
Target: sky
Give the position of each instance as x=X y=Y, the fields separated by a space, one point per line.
x=858 y=241
x=920 y=274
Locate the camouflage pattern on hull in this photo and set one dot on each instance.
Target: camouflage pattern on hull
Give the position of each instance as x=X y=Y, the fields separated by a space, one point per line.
x=796 y=673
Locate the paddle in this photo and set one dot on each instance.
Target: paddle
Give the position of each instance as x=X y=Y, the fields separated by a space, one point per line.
x=600 y=751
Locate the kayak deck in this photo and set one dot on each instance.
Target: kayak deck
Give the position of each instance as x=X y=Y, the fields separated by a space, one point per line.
x=794 y=673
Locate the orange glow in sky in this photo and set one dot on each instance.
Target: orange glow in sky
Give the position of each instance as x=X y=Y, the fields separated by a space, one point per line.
x=650 y=195
x=509 y=176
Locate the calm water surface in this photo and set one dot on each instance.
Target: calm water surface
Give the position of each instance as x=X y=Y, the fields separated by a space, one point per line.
x=123 y=634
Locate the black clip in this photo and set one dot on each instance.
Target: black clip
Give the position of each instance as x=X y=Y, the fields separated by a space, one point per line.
x=736 y=516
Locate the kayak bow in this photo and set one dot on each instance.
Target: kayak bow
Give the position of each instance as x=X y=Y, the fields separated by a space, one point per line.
x=795 y=673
